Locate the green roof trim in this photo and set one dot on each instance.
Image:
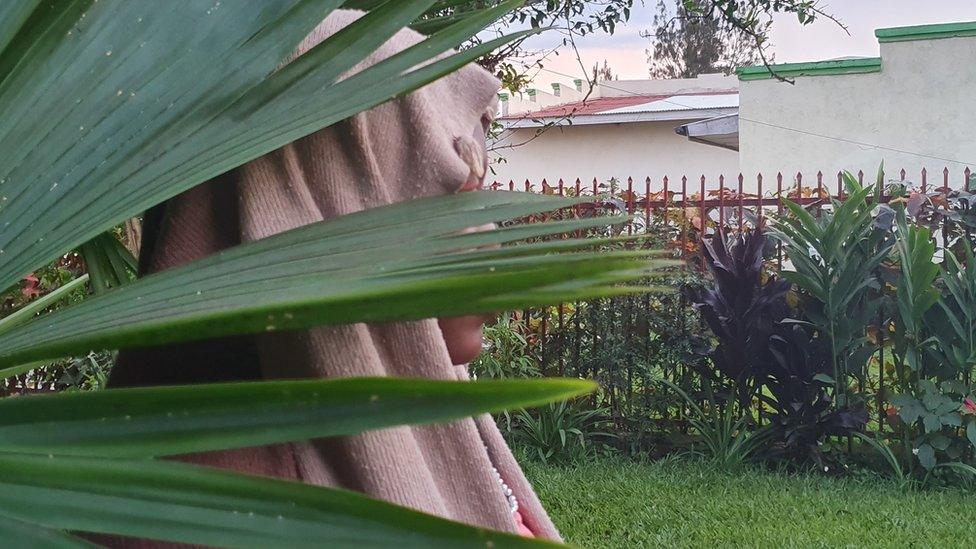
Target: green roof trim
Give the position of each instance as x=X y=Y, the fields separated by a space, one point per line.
x=816 y=68
x=926 y=32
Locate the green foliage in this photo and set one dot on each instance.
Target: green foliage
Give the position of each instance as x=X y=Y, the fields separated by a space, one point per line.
x=165 y=421
x=899 y=473
x=953 y=322
x=506 y=353
x=291 y=280
x=934 y=401
x=934 y=415
x=835 y=256
x=725 y=434
x=562 y=432
x=916 y=293
x=627 y=345
x=108 y=262
x=213 y=507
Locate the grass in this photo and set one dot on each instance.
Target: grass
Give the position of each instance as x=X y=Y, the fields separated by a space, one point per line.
x=618 y=503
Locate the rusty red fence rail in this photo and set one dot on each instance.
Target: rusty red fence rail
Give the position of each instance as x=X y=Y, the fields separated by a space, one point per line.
x=691 y=206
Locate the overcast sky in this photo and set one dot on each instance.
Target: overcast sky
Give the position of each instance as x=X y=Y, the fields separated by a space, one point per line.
x=790 y=42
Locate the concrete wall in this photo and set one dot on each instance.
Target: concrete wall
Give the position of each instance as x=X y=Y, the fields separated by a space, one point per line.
x=918 y=111
x=638 y=150
x=703 y=82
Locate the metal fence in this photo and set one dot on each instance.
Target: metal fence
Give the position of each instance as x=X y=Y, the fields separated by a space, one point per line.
x=686 y=208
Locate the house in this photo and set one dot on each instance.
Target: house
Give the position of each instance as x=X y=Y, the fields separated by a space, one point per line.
x=620 y=129
x=912 y=108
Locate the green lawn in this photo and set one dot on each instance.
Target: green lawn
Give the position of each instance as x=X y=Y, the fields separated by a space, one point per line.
x=617 y=503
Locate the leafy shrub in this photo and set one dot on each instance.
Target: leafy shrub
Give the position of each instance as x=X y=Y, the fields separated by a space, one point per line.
x=798 y=386
x=561 y=432
x=835 y=257
x=741 y=309
x=506 y=353
x=759 y=347
x=725 y=434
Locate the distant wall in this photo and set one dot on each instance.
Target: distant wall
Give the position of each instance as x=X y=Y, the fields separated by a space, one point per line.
x=916 y=111
x=638 y=150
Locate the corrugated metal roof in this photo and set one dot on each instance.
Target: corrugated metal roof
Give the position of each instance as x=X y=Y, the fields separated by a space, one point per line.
x=681 y=103
x=612 y=105
x=590 y=106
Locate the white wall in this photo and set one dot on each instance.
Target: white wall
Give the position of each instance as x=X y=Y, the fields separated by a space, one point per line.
x=703 y=82
x=638 y=150
x=920 y=105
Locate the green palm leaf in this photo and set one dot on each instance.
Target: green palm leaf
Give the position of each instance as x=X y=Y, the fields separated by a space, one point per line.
x=108 y=262
x=24 y=535
x=108 y=107
x=398 y=262
x=111 y=107
x=165 y=421
x=183 y=503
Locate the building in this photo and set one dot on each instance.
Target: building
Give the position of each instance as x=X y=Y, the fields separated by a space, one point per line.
x=621 y=129
x=912 y=108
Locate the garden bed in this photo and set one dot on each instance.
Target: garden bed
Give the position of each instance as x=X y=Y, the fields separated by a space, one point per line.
x=619 y=503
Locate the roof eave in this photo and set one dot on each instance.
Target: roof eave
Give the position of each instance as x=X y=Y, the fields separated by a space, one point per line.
x=620 y=118
x=721 y=131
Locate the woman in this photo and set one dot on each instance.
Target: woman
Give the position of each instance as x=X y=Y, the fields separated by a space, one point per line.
x=428 y=143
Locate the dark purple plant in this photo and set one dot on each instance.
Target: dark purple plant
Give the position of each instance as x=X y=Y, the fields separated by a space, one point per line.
x=757 y=347
x=804 y=414
x=741 y=310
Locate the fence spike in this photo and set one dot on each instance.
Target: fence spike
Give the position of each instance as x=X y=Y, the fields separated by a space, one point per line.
x=647 y=204
x=684 y=216
x=703 y=219
x=759 y=194
x=779 y=212
x=665 y=196
x=741 y=205
x=721 y=201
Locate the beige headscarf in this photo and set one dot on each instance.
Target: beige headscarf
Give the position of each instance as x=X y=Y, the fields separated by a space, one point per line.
x=428 y=143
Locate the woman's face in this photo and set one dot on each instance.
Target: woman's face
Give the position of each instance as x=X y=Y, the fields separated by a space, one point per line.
x=463 y=334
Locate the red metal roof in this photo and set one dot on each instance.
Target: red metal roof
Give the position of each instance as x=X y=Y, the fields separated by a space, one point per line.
x=601 y=104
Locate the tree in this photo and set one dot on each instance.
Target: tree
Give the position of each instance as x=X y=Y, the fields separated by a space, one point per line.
x=513 y=62
x=603 y=73
x=688 y=42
